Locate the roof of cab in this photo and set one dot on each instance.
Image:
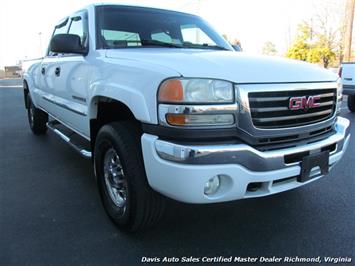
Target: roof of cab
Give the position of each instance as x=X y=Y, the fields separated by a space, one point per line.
x=130 y=5
x=94 y=5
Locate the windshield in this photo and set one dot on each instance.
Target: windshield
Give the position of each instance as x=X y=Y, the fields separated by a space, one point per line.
x=135 y=27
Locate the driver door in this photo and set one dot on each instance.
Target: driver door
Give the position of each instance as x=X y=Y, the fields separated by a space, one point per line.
x=71 y=80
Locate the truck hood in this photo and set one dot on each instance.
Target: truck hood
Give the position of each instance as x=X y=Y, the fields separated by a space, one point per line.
x=232 y=66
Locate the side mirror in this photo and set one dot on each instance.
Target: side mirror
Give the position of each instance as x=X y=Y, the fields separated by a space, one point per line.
x=67 y=44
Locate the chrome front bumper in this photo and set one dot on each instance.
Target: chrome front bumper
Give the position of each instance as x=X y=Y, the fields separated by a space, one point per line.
x=246 y=155
x=181 y=171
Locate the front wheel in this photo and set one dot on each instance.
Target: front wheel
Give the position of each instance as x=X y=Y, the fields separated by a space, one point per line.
x=351 y=103
x=126 y=195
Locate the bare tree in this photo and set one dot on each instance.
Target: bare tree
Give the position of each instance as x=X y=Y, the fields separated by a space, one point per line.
x=348 y=28
x=269 y=48
x=328 y=26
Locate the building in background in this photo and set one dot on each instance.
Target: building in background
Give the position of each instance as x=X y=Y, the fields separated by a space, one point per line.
x=13 y=72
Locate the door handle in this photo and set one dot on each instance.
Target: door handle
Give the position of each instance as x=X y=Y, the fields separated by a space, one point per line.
x=57 y=71
x=43 y=71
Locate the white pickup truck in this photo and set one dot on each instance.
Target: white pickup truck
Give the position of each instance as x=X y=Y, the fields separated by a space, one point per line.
x=165 y=107
x=347 y=74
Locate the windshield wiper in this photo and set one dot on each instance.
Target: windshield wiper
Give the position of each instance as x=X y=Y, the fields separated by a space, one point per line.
x=205 y=46
x=154 y=43
x=159 y=43
x=217 y=47
x=166 y=44
x=143 y=43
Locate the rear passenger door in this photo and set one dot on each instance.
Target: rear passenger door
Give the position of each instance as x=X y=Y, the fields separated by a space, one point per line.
x=47 y=77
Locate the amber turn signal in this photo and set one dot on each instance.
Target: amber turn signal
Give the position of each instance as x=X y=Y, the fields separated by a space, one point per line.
x=176 y=119
x=171 y=91
x=199 y=120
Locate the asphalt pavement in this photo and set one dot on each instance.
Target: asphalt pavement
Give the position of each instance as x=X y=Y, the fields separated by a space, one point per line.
x=50 y=211
x=10 y=83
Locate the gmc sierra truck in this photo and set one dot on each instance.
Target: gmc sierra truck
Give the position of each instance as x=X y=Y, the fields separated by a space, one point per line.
x=347 y=74
x=166 y=108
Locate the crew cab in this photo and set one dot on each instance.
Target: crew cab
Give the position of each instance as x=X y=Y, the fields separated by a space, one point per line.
x=165 y=107
x=347 y=74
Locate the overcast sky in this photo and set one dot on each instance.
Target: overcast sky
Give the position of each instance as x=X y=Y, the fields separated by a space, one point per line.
x=253 y=22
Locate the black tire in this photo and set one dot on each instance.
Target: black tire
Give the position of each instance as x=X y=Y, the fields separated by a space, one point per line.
x=143 y=207
x=36 y=118
x=351 y=103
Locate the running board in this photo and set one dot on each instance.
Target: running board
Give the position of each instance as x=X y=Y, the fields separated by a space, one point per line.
x=83 y=152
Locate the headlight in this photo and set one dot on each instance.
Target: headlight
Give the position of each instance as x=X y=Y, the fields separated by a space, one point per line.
x=196 y=91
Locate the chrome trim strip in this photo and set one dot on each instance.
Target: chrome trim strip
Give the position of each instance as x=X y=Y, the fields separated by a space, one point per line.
x=63 y=105
x=269 y=109
x=282 y=118
x=196 y=109
x=268 y=99
x=275 y=99
x=244 y=154
x=276 y=109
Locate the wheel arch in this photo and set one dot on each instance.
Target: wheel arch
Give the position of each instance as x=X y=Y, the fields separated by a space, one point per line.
x=104 y=110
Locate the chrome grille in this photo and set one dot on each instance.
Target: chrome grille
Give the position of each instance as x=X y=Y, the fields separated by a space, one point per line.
x=271 y=109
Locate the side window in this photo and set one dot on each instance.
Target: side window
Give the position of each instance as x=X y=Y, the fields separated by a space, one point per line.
x=77 y=27
x=193 y=34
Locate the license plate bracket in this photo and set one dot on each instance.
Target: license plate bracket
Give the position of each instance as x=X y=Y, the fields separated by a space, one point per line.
x=320 y=159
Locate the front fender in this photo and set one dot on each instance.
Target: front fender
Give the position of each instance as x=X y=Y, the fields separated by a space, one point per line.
x=130 y=82
x=132 y=98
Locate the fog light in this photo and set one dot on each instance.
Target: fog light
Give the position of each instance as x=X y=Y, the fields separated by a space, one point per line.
x=212 y=185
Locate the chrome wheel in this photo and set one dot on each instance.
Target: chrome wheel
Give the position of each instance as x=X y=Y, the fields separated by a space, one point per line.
x=115 y=179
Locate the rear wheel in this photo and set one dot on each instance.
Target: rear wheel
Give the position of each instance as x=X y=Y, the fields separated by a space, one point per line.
x=351 y=103
x=126 y=195
x=37 y=119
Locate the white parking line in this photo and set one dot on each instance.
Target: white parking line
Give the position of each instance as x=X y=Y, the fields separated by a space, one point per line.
x=12 y=86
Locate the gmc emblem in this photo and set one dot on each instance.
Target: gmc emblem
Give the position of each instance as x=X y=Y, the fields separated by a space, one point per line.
x=303 y=102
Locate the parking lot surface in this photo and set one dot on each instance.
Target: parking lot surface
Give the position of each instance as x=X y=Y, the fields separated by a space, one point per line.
x=50 y=211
